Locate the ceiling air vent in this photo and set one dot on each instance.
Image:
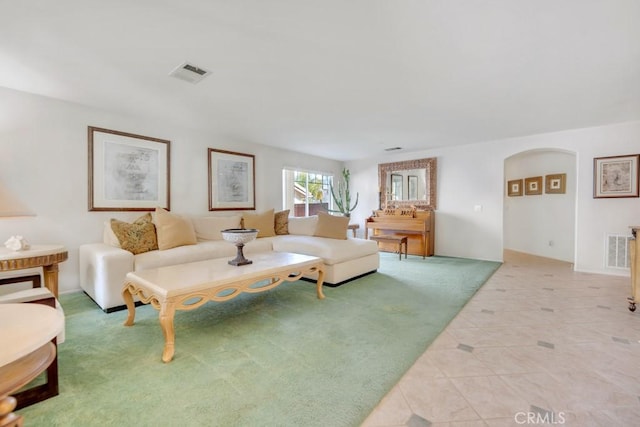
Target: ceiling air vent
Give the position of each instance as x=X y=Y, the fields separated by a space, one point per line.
x=393 y=149
x=189 y=73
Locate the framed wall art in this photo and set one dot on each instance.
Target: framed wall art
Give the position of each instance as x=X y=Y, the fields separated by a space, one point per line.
x=555 y=183
x=231 y=181
x=533 y=186
x=514 y=188
x=127 y=172
x=615 y=176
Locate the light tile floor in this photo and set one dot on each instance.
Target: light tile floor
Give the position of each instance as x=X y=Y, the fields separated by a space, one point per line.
x=539 y=344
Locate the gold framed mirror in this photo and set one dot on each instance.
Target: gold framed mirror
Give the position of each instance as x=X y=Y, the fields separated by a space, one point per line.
x=421 y=177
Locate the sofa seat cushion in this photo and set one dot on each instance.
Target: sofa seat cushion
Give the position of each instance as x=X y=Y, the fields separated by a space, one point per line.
x=332 y=251
x=264 y=244
x=211 y=249
x=184 y=254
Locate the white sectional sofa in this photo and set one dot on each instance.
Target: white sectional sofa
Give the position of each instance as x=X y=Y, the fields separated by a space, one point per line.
x=103 y=266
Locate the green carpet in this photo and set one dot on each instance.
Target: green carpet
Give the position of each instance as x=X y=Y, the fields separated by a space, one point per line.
x=281 y=358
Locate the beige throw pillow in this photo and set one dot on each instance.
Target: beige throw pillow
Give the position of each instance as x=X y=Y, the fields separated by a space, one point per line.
x=331 y=226
x=173 y=230
x=264 y=222
x=137 y=237
x=281 y=223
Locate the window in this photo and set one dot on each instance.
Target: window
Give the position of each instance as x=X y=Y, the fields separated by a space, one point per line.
x=306 y=193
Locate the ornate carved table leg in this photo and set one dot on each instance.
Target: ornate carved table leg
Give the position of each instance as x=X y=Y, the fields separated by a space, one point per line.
x=320 y=282
x=167 y=313
x=128 y=300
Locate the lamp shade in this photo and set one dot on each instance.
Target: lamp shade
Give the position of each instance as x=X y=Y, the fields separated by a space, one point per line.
x=10 y=205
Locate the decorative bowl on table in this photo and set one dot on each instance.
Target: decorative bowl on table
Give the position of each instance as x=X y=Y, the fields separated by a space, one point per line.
x=239 y=237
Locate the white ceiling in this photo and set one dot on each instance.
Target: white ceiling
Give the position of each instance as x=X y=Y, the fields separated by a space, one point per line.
x=342 y=79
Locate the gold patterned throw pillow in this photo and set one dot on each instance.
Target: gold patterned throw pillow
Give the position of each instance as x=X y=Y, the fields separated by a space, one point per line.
x=137 y=237
x=282 y=222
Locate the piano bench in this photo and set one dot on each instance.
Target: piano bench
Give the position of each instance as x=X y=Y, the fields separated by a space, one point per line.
x=398 y=239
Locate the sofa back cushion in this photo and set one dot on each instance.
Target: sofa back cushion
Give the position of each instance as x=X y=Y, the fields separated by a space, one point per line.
x=210 y=227
x=331 y=226
x=173 y=230
x=303 y=225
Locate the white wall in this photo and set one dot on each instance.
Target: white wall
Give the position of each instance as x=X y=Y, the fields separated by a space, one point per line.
x=542 y=224
x=474 y=175
x=43 y=160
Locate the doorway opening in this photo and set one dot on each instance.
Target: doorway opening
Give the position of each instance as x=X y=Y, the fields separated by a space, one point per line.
x=540 y=218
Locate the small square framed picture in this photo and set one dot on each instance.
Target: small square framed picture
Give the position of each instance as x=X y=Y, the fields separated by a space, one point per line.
x=514 y=188
x=555 y=184
x=533 y=186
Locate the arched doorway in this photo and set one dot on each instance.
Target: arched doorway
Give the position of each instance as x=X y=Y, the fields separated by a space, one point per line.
x=541 y=224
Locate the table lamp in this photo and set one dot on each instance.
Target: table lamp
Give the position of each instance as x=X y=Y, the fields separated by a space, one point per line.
x=11 y=207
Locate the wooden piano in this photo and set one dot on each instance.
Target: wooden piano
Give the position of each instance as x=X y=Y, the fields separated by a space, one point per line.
x=417 y=225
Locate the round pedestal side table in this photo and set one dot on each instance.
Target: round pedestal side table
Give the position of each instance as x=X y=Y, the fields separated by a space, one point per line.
x=45 y=256
x=27 y=350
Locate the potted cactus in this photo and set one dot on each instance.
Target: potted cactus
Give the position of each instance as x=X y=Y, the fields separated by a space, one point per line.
x=342 y=199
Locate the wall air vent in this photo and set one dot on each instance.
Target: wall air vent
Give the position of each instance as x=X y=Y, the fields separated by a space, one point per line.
x=393 y=149
x=189 y=73
x=617 y=246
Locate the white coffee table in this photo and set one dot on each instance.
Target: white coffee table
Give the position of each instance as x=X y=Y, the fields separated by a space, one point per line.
x=189 y=286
